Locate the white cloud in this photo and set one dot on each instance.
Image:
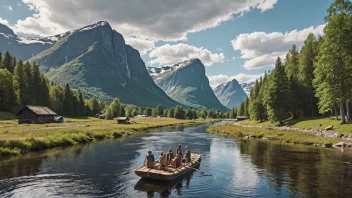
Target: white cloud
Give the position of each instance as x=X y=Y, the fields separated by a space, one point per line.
x=241 y=78
x=261 y=49
x=219 y=49
x=170 y=54
x=154 y=19
x=141 y=44
x=9 y=8
x=4 y=21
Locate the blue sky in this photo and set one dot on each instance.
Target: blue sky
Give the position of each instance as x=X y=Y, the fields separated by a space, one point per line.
x=196 y=34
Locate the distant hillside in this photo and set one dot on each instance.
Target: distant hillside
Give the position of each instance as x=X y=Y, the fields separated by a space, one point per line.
x=21 y=47
x=187 y=83
x=96 y=59
x=230 y=94
x=247 y=87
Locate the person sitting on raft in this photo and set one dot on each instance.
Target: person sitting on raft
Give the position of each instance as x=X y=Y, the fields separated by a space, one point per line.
x=179 y=148
x=169 y=157
x=162 y=161
x=150 y=160
x=187 y=157
x=177 y=161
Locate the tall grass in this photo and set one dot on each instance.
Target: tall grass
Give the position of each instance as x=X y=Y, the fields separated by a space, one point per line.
x=16 y=139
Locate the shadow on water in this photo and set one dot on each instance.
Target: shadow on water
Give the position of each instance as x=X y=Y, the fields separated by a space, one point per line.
x=163 y=188
x=237 y=168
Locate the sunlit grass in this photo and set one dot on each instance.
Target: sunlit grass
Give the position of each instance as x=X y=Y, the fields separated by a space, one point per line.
x=282 y=135
x=312 y=122
x=15 y=138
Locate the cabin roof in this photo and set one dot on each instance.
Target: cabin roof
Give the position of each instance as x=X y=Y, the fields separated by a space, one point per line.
x=122 y=118
x=38 y=110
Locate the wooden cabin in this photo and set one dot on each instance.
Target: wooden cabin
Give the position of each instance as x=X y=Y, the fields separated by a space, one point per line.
x=123 y=120
x=35 y=114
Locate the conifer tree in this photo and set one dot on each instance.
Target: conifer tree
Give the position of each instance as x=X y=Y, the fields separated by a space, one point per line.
x=278 y=95
x=8 y=98
x=307 y=59
x=333 y=69
x=7 y=62
x=67 y=102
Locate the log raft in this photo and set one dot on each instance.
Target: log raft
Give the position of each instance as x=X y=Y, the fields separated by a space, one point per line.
x=172 y=173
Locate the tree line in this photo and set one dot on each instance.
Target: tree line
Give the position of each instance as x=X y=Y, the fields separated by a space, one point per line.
x=23 y=84
x=317 y=79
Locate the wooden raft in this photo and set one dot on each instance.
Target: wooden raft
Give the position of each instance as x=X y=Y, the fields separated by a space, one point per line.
x=172 y=174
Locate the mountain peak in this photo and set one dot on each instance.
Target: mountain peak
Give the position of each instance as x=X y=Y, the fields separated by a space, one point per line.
x=6 y=30
x=95 y=25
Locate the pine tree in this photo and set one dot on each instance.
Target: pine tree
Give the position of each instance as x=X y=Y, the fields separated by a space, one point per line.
x=20 y=83
x=67 y=102
x=36 y=83
x=56 y=95
x=278 y=95
x=7 y=62
x=307 y=59
x=80 y=105
x=333 y=69
x=292 y=70
x=8 y=98
x=241 y=108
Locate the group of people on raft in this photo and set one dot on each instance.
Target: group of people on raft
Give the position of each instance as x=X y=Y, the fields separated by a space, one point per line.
x=169 y=159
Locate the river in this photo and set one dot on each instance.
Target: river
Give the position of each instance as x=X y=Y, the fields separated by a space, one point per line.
x=237 y=168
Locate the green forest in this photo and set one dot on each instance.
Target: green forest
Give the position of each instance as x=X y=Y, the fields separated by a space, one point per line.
x=315 y=80
x=23 y=84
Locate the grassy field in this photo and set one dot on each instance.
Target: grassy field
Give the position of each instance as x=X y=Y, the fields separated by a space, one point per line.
x=313 y=123
x=17 y=139
x=285 y=136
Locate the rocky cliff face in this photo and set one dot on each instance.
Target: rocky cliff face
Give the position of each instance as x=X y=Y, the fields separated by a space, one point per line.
x=187 y=83
x=247 y=87
x=96 y=59
x=230 y=94
x=21 y=47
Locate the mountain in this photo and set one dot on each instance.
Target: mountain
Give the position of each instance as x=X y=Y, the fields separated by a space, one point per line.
x=187 y=83
x=96 y=59
x=230 y=94
x=21 y=47
x=247 y=87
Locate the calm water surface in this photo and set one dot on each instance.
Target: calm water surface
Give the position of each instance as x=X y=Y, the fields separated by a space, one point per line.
x=238 y=168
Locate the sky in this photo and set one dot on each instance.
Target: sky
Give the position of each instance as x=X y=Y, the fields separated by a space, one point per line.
x=235 y=39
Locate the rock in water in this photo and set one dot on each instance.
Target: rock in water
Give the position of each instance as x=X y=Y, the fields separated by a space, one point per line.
x=187 y=83
x=230 y=94
x=96 y=59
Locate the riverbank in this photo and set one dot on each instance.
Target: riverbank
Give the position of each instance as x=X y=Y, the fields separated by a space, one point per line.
x=16 y=139
x=267 y=133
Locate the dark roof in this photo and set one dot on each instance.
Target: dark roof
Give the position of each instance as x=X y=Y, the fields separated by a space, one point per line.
x=122 y=118
x=39 y=110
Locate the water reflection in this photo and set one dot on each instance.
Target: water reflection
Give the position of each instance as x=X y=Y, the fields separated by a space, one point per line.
x=237 y=168
x=304 y=171
x=163 y=188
